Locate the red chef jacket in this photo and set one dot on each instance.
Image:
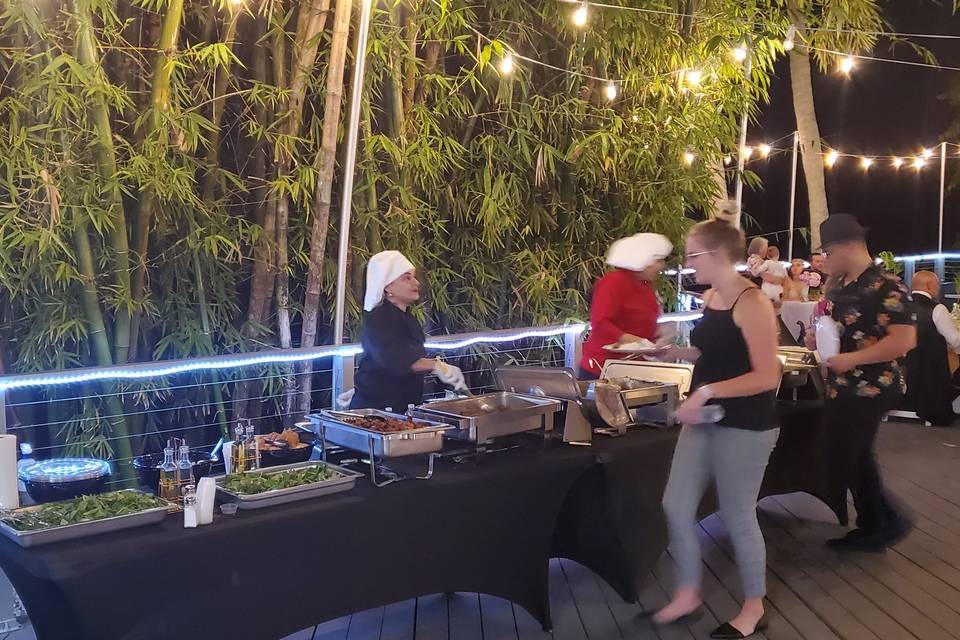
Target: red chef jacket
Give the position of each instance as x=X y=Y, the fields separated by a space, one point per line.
x=621 y=304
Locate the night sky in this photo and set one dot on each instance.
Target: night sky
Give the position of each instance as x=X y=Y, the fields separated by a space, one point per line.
x=882 y=108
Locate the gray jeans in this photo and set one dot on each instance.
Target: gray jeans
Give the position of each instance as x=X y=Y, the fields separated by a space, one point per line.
x=736 y=459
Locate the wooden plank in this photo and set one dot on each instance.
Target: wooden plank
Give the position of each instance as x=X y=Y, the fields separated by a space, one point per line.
x=699 y=628
x=332 y=629
x=902 y=577
x=567 y=624
x=496 y=616
x=464 y=610
x=838 y=619
x=629 y=618
x=654 y=596
x=912 y=621
x=399 y=621
x=366 y=625
x=598 y=620
x=433 y=618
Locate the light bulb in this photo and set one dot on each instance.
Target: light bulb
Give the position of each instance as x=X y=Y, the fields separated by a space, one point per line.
x=694 y=76
x=236 y=3
x=919 y=163
x=764 y=150
x=788 y=40
x=866 y=162
x=727 y=160
x=739 y=54
x=898 y=162
x=635 y=118
x=846 y=64
x=506 y=64
x=832 y=158
x=611 y=91
x=688 y=158
x=788 y=45
x=580 y=15
x=927 y=154
x=747 y=152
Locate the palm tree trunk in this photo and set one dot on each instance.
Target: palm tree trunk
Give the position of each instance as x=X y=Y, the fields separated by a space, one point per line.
x=327 y=161
x=810 y=146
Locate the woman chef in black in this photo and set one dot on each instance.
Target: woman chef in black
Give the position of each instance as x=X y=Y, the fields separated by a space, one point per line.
x=394 y=359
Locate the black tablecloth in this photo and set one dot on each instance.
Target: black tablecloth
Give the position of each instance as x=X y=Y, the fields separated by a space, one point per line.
x=264 y=574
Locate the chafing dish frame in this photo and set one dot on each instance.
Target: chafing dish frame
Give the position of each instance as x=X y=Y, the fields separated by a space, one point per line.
x=377 y=445
x=482 y=429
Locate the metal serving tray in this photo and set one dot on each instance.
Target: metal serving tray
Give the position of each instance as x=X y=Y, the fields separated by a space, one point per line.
x=482 y=418
x=82 y=529
x=346 y=482
x=428 y=438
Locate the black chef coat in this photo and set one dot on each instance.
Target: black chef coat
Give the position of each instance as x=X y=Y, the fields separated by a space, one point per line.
x=392 y=341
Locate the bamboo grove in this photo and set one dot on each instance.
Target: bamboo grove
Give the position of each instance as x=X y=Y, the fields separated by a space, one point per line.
x=169 y=177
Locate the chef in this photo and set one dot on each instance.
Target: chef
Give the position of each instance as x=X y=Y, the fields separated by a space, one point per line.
x=625 y=307
x=394 y=359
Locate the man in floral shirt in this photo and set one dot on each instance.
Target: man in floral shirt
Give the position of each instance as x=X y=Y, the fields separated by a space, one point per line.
x=876 y=324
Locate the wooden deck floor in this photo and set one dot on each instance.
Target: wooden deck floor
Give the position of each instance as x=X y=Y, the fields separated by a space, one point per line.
x=910 y=593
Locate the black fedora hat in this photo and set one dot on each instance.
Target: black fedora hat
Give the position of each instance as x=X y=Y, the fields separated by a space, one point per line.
x=841 y=227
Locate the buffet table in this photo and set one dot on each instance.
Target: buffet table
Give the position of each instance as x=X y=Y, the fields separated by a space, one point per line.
x=489 y=527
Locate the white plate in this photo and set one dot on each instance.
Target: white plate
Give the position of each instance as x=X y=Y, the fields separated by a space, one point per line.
x=633 y=347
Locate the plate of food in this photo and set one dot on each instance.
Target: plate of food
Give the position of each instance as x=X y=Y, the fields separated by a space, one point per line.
x=633 y=346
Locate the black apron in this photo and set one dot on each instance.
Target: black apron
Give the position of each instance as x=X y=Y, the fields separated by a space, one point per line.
x=929 y=386
x=392 y=341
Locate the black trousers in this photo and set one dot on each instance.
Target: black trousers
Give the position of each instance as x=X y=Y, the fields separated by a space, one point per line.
x=848 y=452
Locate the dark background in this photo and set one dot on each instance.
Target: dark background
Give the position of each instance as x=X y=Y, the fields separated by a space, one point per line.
x=880 y=109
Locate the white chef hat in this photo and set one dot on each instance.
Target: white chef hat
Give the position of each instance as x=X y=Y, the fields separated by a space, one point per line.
x=383 y=268
x=639 y=251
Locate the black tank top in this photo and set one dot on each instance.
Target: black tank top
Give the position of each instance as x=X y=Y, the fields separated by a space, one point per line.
x=724 y=355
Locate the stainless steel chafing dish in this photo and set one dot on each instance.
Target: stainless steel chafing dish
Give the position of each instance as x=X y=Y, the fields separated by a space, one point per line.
x=426 y=438
x=800 y=369
x=480 y=419
x=608 y=403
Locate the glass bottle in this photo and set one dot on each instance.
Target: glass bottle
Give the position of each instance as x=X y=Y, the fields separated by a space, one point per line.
x=239 y=455
x=168 y=488
x=252 y=451
x=184 y=469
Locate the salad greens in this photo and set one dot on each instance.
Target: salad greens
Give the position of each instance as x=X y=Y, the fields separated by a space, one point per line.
x=82 y=509
x=253 y=483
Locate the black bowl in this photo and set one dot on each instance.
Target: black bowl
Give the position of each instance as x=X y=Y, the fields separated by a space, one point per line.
x=56 y=491
x=148 y=467
x=278 y=457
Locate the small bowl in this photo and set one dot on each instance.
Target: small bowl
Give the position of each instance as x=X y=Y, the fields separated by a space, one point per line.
x=228 y=508
x=64 y=478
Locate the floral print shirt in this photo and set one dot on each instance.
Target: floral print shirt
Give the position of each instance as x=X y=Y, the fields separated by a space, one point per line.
x=864 y=309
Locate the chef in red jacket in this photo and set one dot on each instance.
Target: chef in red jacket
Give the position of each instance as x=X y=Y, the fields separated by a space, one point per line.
x=625 y=306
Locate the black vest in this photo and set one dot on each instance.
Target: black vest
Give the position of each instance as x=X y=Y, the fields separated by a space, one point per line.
x=929 y=387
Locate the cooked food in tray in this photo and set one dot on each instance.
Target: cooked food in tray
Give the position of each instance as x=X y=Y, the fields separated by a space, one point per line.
x=82 y=509
x=381 y=424
x=289 y=439
x=254 y=483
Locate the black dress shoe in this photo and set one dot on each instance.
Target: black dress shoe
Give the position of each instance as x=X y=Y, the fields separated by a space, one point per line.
x=727 y=631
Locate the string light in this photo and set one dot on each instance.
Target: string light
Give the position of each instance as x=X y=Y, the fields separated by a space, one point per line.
x=693 y=77
x=764 y=150
x=846 y=64
x=688 y=158
x=611 y=91
x=832 y=158
x=747 y=152
x=727 y=160
x=788 y=41
x=506 y=64
x=580 y=15
x=897 y=162
x=927 y=154
x=919 y=163
x=635 y=118
x=865 y=162
x=739 y=54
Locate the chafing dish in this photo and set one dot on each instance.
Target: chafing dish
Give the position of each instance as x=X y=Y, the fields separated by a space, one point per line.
x=480 y=419
x=426 y=438
x=800 y=369
x=344 y=481
x=82 y=529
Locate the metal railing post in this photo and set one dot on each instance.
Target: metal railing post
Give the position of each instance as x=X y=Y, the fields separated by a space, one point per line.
x=343 y=368
x=572 y=349
x=909 y=268
x=940 y=267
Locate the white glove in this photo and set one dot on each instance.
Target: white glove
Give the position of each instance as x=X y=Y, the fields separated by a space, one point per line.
x=343 y=400
x=450 y=375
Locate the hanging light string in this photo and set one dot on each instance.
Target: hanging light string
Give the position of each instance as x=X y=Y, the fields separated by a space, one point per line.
x=867 y=161
x=858 y=56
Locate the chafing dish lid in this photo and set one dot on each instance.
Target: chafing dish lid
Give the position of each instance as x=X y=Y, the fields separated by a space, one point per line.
x=65 y=470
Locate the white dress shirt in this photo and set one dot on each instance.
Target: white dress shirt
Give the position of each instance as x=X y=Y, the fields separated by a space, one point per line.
x=943 y=321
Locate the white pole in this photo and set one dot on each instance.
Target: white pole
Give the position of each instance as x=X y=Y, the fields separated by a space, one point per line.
x=943 y=175
x=350 y=162
x=793 y=193
x=741 y=156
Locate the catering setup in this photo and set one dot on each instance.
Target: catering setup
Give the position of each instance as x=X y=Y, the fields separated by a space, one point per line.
x=330 y=483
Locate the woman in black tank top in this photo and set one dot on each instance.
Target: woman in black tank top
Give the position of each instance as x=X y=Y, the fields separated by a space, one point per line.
x=735 y=350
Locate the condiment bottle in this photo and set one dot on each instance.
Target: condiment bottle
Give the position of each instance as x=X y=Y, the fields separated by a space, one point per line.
x=168 y=489
x=252 y=451
x=239 y=453
x=184 y=469
x=189 y=507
